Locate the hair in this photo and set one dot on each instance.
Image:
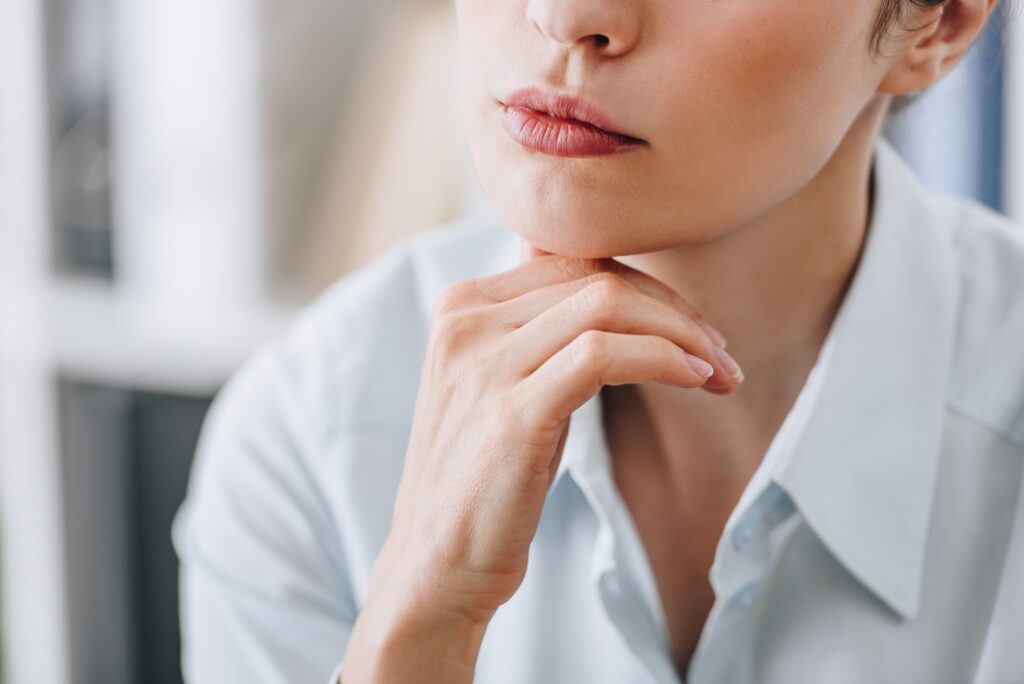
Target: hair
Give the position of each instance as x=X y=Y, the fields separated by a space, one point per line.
x=892 y=14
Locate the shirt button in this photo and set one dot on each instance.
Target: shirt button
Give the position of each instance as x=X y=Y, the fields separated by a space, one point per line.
x=613 y=584
x=747 y=595
x=744 y=534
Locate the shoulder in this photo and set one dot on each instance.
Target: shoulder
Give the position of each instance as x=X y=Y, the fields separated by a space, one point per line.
x=351 y=358
x=337 y=385
x=982 y=490
x=298 y=460
x=367 y=332
x=987 y=382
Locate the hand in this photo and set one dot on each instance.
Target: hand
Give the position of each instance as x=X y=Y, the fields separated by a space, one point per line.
x=510 y=357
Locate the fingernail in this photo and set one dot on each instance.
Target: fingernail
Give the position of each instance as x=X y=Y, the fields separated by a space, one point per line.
x=703 y=368
x=729 y=363
x=716 y=337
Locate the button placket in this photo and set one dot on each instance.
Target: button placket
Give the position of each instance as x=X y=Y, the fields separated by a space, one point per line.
x=746 y=596
x=612 y=567
x=741 y=565
x=748 y=555
x=769 y=509
x=746 y=532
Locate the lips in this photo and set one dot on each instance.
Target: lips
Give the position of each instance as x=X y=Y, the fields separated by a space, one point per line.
x=552 y=123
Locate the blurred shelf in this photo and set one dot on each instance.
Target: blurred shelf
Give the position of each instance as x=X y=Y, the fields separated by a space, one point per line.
x=101 y=334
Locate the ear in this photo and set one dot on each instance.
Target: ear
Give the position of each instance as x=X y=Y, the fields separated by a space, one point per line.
x=938 y=37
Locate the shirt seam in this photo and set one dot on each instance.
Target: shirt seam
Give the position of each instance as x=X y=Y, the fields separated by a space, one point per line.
x=984 y=423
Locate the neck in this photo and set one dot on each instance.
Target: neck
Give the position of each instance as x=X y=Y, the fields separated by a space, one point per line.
x=772 y=287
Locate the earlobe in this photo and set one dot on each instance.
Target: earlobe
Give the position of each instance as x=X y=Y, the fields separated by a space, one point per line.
x=912 y=75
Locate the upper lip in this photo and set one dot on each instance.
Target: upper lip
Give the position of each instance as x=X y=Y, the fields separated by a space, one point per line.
x=565 y=106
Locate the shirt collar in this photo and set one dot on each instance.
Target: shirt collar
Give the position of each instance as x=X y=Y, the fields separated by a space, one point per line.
x=862 y=473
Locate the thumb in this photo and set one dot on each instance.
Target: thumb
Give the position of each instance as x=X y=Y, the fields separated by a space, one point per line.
x=528 y=251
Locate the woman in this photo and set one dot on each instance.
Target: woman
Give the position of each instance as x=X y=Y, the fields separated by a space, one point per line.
x=457 y=465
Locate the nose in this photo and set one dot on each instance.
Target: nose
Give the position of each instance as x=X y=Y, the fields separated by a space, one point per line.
x=608 y=27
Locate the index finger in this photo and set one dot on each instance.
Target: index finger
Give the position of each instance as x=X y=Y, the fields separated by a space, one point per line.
x=539 y=268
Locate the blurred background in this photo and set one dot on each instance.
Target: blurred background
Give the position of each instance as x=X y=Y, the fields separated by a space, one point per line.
x=175 y=180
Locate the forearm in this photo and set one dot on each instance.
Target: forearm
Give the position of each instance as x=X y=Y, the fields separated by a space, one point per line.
x=396 y=644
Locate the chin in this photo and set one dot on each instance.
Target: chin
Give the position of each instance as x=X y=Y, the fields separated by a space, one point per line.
x=591 y=209
x=566 y=230
x=564 y=221
x=588 y=229
x=582 y=234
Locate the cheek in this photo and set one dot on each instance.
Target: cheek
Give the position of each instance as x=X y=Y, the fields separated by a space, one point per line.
x=761 y=92
x=489 y=33
x=743 y=101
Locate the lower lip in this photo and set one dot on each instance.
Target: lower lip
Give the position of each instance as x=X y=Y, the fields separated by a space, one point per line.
x=544 y=133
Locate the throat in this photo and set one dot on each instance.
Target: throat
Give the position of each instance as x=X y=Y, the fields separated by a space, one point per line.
x=679 y=506
x=692 y=452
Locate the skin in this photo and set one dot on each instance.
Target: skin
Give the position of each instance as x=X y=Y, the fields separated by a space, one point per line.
x=747 y=209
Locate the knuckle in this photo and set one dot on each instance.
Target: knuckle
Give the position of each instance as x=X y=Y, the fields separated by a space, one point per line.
x=605 y=294
x=590 y=350
x=606 y=277
x=483 y=288
x=575 y=268
x=604 y=268
x=453 y=330
x=453 y=297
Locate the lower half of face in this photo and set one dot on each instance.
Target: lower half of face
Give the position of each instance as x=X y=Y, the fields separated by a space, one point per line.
x=740 y=102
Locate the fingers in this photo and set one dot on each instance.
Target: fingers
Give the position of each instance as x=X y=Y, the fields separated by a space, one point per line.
x=656 y=288
x=548 y=319
x=539 y=269
x=596 y=358
x=499 y=287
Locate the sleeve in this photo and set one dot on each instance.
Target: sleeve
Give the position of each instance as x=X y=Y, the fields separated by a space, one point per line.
x=265 y=595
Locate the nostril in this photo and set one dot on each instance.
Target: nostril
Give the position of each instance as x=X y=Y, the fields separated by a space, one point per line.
x=601 y=40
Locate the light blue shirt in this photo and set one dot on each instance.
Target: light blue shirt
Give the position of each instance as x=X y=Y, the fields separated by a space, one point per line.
x=880 y=540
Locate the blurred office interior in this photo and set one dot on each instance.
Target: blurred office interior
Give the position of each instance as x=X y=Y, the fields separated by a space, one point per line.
x=176 y=179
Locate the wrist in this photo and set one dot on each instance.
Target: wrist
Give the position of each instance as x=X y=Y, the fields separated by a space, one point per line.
x=427 y=589
x=400 y=637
